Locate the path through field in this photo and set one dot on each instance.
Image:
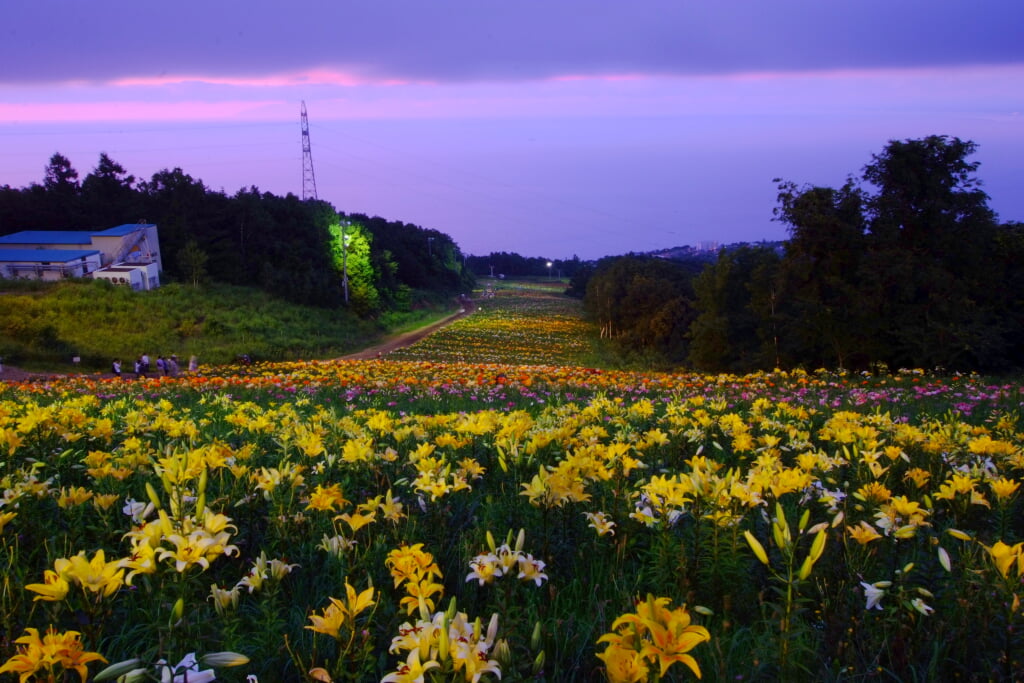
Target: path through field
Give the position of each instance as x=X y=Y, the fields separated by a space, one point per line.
x=400 y=341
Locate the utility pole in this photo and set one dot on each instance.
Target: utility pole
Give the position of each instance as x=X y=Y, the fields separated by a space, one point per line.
x=308 y=178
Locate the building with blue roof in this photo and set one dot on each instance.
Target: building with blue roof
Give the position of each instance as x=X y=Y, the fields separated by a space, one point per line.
x=133 y=248
x=47 y=264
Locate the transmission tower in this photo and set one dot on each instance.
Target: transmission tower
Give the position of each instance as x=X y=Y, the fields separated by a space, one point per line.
x=308 y=177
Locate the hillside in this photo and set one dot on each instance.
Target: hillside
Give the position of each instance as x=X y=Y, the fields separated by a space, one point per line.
x=45 y=327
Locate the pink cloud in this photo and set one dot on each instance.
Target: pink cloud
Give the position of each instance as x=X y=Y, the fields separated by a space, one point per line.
x=91 y=112
x=304 y=78
x=338 y=94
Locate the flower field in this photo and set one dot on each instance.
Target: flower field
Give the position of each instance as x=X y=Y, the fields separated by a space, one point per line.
x=518 y=325
x=455 y=514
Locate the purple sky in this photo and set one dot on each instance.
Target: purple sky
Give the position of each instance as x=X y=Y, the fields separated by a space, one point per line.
x=586 y=127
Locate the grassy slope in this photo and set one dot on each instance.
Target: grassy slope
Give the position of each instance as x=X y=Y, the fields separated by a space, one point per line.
x=44 y=327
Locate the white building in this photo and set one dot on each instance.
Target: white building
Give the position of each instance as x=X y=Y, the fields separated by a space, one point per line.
x=47 y=264
x=132 y=250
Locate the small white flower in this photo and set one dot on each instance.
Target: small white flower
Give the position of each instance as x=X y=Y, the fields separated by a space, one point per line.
x=186 y=670
x=920 y=606
x=874 y=594
x=136 y=510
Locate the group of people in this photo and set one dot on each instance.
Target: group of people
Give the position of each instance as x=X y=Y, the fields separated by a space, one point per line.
x=165 y=367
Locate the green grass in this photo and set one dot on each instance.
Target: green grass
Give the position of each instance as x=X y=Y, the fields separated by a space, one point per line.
x=43 y=327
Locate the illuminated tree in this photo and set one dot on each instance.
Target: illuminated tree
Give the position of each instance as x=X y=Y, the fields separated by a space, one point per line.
x=350 y=252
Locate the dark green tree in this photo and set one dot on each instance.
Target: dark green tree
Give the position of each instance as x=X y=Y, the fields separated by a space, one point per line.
x=736 y=326
x=58 y=203
x=643 y=305
x=60 y=177
x=925 y=275
x=826 y=320
x=579 y=279
x=108 y=195
x=904 y=269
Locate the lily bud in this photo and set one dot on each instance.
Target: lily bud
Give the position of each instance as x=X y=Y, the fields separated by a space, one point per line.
x=443 y=642
x=778 y=535
x=503 y=653
x=177 y=610
x=780 y=515
x=165 y=523
x=818 y=527
x=805 y=568
x=225 y=658
x=492 y=628
x=153 y=498
x=818 y=546
x=756 y=546
x=201 y=493
x=538 y=663
x=450 y=612
x=118 y=669
x=166 y=481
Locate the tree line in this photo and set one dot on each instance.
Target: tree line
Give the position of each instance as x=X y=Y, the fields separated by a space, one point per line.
x=300 y=250
x=903 y=266
x=508 y=264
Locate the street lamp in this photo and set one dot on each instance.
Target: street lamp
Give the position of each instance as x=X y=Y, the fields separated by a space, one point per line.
x=549 y=270
x=344 y=260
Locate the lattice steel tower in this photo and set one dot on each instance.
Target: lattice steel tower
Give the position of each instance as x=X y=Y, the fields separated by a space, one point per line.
x=308 y=177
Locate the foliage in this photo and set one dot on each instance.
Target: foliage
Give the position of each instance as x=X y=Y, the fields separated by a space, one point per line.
x=904 y=267
x=644 y=305
x=505 y=264
x=736 y=327
x=99 y=322
x=416 y=258
x=255 y=239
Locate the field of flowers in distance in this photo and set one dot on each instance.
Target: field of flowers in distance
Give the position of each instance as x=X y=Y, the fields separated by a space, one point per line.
x=482 y=505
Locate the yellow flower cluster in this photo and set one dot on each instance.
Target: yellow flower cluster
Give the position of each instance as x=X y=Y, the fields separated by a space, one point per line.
x=416 y=568
x=652 y=636
x=48 y=657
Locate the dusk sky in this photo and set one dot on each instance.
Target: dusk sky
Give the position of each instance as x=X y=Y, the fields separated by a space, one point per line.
x=549 y=128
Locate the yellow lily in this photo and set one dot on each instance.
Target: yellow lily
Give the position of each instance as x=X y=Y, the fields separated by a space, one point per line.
x=54 y=587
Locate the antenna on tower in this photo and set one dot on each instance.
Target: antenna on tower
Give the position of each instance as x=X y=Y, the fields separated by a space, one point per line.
x=308 y=178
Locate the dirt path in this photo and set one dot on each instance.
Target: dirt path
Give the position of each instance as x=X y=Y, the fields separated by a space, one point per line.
x=400 y=341
x=13 y=374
